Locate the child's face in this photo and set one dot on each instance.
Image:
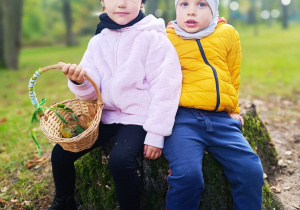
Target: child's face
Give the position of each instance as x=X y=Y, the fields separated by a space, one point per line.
x=122 y=11
x=193 y=15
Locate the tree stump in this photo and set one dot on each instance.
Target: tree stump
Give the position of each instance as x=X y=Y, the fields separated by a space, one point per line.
x=95 y=187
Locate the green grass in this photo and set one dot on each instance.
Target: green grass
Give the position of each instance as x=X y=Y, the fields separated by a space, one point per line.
x=16 y=145
x=270 y=61
x=269 y=67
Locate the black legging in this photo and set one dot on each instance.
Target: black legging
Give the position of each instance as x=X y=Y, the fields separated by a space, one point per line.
x=128 y=145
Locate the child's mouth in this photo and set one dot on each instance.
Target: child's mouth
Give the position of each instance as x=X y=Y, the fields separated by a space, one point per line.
x=191 y=23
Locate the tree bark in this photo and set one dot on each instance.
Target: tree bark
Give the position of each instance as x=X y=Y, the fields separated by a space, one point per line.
x=67 y=13
x=12 y=24
x=95 y=187
x=285 y=16
x=252 y=19
x=1 y=36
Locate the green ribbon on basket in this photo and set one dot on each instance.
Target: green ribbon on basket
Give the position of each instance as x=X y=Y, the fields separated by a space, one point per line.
x=39 y=111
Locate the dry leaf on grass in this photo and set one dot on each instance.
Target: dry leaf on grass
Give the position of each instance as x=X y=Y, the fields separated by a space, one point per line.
x=3 y=120
x=276 y=189
x=4 y=189
x=38 y=161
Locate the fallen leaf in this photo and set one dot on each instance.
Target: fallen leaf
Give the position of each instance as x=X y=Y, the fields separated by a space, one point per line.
x=276 y=189
x=4 y=189
x=36 y=162
x=296 y=207
x=3 y=120
x=26 y=203
x=288 y=153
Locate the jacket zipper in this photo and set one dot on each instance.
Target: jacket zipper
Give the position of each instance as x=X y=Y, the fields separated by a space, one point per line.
x=215 y=74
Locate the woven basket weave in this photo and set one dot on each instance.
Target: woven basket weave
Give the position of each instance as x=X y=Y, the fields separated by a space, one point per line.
x=50 y=123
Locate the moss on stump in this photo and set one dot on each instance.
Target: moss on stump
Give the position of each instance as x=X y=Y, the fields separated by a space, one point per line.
x=95 y=187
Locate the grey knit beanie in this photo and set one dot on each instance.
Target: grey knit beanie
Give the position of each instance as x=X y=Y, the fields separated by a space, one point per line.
x=212 y=3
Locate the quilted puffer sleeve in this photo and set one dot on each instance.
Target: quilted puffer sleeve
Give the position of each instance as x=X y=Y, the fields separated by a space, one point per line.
x=234 y=62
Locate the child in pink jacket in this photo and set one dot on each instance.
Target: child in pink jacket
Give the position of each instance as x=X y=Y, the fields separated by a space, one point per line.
x=138 y=72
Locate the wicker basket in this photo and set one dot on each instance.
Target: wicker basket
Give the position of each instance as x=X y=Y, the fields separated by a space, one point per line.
x=50 y=123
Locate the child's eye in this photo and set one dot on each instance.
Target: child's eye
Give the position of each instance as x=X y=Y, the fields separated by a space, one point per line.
x=202 y=4
x=184 y=4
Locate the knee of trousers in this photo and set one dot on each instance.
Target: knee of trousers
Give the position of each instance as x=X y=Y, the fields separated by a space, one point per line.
x=122 y=164
x=252 y=174
x=187 y=178
x=60 y=157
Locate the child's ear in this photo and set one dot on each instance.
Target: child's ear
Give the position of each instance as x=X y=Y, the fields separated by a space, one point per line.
x=142 y=5
x=102 y=2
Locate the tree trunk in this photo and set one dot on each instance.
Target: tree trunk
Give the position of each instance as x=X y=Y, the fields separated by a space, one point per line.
x=95 y=187
x=285 y=16
x=1 y=36
x=252 y=19
x=151 y=6
x=67 y=12
x=12 y=24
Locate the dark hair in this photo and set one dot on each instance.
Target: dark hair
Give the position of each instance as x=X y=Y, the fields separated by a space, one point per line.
x=144 y=1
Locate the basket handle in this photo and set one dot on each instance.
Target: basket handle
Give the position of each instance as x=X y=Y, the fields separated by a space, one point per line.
x=33 y=79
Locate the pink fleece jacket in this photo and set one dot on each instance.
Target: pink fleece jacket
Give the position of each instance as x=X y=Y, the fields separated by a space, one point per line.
x=139 y=75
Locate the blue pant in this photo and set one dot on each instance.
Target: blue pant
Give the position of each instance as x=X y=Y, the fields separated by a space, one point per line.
x=216 y=132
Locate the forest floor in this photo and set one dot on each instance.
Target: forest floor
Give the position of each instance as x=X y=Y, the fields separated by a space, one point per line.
x=282 y=118
x=280 y=115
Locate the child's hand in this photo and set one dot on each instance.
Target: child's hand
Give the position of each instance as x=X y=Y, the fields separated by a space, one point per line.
x=151 y=152
x=73 y=72
x=237 y=116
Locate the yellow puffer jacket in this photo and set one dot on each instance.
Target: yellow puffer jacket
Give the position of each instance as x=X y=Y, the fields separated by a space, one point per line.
x=213 y=83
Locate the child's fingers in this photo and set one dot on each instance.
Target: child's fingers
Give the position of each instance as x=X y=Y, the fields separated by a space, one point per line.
x=145 y=149
x=157 y=155
x=65 y=68
x=81 y=77
x=153 y=153
x=148 y=154
x=72 y=70
x=76 y=72
x=242 y=120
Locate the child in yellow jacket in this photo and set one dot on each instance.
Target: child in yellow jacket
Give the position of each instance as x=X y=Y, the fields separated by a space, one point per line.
x=208 y=118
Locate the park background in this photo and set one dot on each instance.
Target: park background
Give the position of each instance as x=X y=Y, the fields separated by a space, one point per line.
x=38 y=33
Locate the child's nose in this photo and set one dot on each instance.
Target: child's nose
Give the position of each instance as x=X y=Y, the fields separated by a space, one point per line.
x=121 y=3
x=192 y=11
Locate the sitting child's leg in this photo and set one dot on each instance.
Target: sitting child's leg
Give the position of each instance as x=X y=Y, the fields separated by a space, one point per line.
x=64 y=170
x=241 y=165
x=184 y=150
x=128 y=145
x=64 y=177
x=195 y=131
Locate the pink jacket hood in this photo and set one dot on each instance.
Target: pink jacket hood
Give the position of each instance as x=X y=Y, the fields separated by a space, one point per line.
x=138 y=73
